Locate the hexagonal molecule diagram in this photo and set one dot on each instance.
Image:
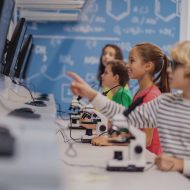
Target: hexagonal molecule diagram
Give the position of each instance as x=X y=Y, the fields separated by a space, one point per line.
x=167 y=9
x=118 y=14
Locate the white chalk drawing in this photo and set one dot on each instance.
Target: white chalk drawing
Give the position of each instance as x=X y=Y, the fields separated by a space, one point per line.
x=66 y=94
x=91 y=44
x=91 y=60
x=77 y=37
x=150 y=21
x=83 y=29
x=135 y=19
x=55 y=42
x=167 y=31
x=66 y=59
x=90 y=7
x=137 y=30
x=100 y=19
x=122 y=15
x=135 y=9
x=33 y=27
x=117 y=30
x=58 y=77
x=91 y=77
x=150 y=31
x=92 y=18
x=142 y=20
x=125 y=46
x=171 y=15
x=144 y=10
x=166 y=48
x=41 y=50
x=133 y=30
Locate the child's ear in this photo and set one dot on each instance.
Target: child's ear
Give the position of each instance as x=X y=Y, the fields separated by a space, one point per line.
x=116 y=77
x=149 y=66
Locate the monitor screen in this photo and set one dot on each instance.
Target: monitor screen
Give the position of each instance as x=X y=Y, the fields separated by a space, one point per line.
x=24 y=74
x=23 y=56
x=6 y=10
x=15 y=46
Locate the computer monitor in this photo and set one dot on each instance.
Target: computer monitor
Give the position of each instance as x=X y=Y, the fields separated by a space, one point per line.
x=25 y=71
x=6 y=10
x=24 y=56
x=14 y=48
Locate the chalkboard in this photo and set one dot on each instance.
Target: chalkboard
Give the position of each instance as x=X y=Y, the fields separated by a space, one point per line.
x=77 y=46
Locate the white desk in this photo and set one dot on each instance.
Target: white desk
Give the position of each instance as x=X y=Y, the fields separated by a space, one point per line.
x=94 y=155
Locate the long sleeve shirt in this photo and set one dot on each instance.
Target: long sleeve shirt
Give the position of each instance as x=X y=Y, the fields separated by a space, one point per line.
x=170 y=113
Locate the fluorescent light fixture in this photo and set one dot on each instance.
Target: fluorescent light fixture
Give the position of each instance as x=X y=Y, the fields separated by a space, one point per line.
x=47 y=16
x=49 y=4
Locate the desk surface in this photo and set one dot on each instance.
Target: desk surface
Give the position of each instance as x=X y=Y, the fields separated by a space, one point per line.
x=94 y=155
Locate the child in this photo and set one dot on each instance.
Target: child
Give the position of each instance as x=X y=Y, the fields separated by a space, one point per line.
x=169 y=112
x=146 y=60
x=115 y=75
x=109 y=53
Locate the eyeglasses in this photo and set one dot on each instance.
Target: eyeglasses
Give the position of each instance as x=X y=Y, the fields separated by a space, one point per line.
x=174 y=64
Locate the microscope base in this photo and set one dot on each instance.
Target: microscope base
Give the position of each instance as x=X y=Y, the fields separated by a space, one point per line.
x=87 y=139
x=130 y=168
x=79 y=128
x=126 y=165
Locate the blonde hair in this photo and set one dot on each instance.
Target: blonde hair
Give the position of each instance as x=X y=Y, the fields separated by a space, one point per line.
x=180 y=52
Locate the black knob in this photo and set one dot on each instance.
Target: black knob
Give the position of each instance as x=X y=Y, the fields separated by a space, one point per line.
x=138 y=149
x=89 y=132
x=118 y=155
x=102 y=128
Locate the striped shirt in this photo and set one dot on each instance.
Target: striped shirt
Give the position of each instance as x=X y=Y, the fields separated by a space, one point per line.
x=170 y=113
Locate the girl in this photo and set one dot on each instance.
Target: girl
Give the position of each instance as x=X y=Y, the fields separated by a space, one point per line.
x=109 y=53
x=146 y=60
x=169 y=112
x=115 y=75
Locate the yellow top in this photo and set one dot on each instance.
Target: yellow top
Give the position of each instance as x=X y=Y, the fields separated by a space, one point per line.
x=109 y=94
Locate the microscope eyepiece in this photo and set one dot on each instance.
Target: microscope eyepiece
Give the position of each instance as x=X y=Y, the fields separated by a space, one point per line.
x=86 y=114
x=114 y=129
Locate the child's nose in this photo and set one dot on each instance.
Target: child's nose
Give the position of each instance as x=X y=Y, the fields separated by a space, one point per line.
x=169 y=70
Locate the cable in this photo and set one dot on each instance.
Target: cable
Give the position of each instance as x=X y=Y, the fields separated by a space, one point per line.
x=63 y=136
x=61 y=111
x=122 y=96
x=78 y=165
x=156 y=163
x=70 y=147
x=20 y=84
x=102 y=133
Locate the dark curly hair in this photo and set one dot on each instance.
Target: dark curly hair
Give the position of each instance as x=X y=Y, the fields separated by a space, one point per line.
x=118 y=55
x=118 y=67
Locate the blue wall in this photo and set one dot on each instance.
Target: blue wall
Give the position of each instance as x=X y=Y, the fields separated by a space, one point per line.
x=76 y=46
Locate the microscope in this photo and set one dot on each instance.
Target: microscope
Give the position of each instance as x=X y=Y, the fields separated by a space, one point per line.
x=137 y=146
x=98 y=119
x=77 y=105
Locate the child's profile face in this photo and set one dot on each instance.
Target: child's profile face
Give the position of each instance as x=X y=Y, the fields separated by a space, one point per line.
x=135 y=66
x=107 y=77
x=177 y=79
x=108 y=55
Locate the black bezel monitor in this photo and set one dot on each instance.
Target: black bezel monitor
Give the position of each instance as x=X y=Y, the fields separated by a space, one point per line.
x=24 y=56
x=6 y=11
x=14 y=48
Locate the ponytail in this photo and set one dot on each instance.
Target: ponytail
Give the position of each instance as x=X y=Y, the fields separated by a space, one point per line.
x=163 y=84
x=151 y=52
